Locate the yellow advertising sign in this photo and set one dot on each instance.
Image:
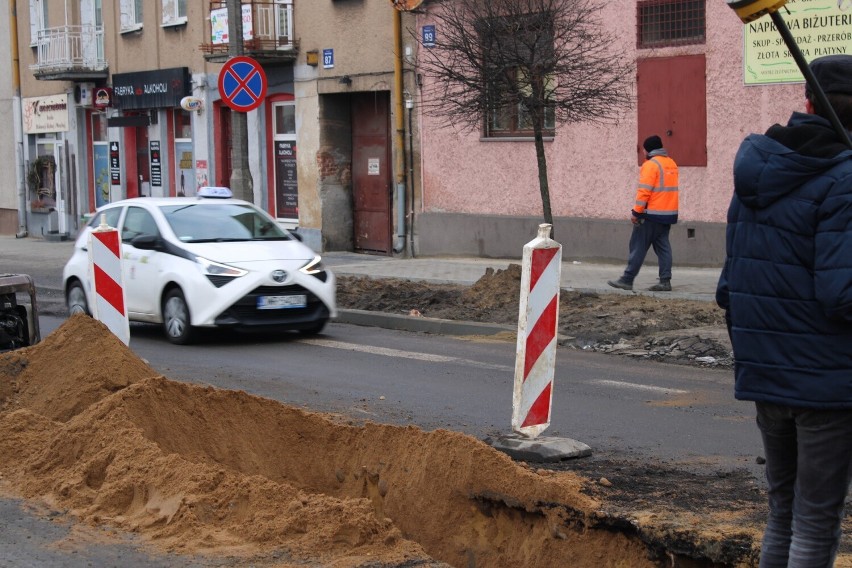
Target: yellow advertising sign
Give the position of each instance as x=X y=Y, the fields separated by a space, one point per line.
x=821 y=27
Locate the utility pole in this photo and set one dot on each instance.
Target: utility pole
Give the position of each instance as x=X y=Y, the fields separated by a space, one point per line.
x=240 y=182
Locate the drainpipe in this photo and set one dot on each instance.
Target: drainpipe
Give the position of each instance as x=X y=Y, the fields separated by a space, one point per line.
x=399 y=141
x=17 y=126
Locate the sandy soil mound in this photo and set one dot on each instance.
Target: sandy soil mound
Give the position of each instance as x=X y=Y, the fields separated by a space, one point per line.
x=88 y=427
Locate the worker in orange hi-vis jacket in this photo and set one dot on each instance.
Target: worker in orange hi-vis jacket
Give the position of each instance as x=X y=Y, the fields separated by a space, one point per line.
x=653 y=214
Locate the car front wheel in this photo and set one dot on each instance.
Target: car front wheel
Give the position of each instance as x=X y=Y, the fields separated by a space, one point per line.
x=75 y=299
x=176 y=320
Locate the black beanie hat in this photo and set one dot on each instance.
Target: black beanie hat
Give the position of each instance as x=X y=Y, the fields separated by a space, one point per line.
x=834 y=74
x=652 y=143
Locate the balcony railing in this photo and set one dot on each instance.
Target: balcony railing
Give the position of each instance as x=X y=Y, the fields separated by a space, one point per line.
x=267 y=31
x=70 y=52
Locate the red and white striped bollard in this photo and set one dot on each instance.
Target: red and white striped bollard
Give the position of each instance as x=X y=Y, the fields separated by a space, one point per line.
x=109 y=306
x=537 y=323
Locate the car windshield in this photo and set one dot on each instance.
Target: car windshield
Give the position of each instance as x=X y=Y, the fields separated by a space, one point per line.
x=197 y=223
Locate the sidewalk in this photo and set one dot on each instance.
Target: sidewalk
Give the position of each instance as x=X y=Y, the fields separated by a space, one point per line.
x=44 y=259
x=687 y=282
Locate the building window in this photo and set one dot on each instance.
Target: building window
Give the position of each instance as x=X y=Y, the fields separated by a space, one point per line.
x=100 y=159
x=519 y=78
x=284 y=22
x=508 y=114
x=131 y=15
x=174 y=12
x=38 y=19
x=663 y=23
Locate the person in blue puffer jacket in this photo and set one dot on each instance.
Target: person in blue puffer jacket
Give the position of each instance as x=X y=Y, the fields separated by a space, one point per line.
x=786 y=289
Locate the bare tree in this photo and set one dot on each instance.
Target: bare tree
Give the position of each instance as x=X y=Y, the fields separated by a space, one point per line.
x=529 y=64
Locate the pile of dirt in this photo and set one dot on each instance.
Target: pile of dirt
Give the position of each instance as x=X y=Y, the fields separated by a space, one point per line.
x=88 y=427
x=655 y=327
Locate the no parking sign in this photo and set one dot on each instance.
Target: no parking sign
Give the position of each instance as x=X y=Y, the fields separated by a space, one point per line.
x=242 y=84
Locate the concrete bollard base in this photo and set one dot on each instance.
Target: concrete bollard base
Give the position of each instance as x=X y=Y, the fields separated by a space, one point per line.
x=540 y=449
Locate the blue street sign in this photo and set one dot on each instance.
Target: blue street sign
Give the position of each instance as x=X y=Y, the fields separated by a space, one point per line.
x=327 y=58
x=428 y=36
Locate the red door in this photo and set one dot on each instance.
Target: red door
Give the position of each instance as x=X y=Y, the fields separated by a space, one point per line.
x=672 y=100
x=371 y=172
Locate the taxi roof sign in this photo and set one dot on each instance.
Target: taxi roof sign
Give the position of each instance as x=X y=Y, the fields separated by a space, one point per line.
x=215 y=192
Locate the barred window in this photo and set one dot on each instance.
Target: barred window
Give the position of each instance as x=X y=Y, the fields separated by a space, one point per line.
x=663 y=23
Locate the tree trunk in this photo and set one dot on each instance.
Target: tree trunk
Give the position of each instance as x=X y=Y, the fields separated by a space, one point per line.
x=543 y=186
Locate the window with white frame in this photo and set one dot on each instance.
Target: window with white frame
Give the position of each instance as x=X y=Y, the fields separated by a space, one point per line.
x=174 y=12
x=38 y=19
x=131 y=15
x=284 y=22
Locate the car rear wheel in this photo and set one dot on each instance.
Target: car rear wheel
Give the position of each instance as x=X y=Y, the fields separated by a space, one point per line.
x=176 y=320
x=75 y=299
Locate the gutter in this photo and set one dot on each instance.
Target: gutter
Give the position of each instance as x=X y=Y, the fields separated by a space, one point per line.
x=17 y=124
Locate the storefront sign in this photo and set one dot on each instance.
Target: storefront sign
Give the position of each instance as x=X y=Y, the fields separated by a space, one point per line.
x=45 y=114
x=102 y=97
x=151 y=89
x=156 y=165
x=114 y=164
x=286 y=182
x=192 y=104
x=820 y=27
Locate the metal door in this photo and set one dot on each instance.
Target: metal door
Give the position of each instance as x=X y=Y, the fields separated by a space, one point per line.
x=371 y=172
x=672 y=103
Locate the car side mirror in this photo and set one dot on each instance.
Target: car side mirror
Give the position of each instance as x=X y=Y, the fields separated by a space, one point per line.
x=146 y=242
x=296 y=235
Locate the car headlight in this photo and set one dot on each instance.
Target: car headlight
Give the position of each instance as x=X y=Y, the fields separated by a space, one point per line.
x=212 y=268
x=314 y=266
x=316 y=269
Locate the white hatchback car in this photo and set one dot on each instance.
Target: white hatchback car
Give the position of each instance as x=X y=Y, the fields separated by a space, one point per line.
x=207 y=261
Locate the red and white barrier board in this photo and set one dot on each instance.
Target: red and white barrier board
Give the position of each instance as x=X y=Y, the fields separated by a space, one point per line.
x=109 y=304
x=537 y=323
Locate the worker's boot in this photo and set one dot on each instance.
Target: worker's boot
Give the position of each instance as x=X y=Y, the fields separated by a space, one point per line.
x=621 y=284
x=662 y=286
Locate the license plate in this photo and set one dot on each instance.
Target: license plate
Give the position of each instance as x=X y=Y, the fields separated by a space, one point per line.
x=281 y=302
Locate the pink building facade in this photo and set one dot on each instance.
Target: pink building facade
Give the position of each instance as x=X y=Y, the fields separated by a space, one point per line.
x=480 y=195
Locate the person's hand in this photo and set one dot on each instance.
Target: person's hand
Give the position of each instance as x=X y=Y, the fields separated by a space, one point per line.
x=635 y=220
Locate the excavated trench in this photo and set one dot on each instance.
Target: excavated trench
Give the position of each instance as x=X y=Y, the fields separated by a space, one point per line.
x=90 y=427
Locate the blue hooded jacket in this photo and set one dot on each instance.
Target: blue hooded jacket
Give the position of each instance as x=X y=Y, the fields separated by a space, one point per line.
x=787 y=281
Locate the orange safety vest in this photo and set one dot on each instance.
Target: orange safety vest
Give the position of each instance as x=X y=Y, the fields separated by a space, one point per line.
x=657 y=194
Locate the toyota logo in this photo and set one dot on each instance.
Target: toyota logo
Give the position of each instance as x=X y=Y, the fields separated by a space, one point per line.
x=279 y=275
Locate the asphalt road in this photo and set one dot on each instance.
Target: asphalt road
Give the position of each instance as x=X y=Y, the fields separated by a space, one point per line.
x=642 y=409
